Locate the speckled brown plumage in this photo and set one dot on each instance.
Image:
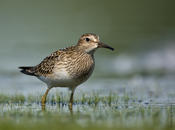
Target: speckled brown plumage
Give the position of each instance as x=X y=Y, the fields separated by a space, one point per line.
x=68 y=67
x=70 y=58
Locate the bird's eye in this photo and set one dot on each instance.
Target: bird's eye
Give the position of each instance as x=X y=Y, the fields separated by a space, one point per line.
x=87 y=39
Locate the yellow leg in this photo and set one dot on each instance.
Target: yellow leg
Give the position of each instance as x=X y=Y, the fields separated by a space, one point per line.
x=71 y=100
x=43 y=99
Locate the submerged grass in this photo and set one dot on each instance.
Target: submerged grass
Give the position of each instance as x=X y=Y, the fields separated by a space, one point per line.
x=19 y=112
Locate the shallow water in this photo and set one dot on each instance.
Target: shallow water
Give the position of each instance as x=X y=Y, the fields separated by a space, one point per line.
x=116 y=115
x=143 y=61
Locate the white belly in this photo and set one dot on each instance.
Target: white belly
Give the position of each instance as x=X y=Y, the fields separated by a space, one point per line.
x=60 y=78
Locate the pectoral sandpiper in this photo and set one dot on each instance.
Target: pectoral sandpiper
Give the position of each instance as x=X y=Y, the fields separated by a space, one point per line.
x=67 y=67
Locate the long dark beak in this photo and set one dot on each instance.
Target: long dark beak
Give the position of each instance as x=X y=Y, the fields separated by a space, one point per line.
x=102 y=45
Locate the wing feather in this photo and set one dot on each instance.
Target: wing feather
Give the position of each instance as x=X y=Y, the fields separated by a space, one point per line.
x=47 y=65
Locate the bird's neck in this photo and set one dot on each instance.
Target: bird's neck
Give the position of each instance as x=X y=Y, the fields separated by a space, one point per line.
x=92 y=52
x=86 y=50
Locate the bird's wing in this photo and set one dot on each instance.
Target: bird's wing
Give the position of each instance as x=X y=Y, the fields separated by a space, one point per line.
x=47 y=65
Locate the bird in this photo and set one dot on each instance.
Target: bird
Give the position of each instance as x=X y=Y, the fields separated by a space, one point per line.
x=68 y=67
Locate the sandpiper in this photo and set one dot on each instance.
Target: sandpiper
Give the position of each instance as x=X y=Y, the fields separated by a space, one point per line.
x=67 y=67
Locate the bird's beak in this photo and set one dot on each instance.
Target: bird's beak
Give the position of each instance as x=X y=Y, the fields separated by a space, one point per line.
x=102 y=45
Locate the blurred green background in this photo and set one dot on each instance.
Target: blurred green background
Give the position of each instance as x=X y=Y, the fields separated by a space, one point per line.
x=140 y=72
x=35 y=25
x=142 y=33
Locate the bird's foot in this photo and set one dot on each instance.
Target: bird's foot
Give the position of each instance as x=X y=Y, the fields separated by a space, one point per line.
x=70 y=107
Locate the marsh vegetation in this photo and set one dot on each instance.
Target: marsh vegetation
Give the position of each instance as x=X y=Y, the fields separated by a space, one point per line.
x=90 y=112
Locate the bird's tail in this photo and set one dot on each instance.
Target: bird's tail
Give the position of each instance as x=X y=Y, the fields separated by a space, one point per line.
x=29 y=70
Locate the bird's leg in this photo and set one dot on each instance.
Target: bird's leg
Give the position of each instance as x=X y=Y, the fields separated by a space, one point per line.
x=43 y=99
x=71 y=100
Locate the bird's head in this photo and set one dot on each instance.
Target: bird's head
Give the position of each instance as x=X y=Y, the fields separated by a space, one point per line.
x=90 y=42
